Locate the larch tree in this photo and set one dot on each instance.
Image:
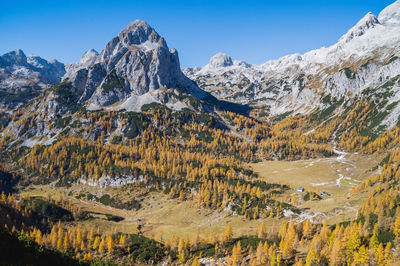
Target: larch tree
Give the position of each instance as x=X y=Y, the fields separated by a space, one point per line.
x=228 y=234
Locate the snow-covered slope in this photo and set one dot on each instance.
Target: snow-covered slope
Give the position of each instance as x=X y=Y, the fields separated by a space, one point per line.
x=366 y=56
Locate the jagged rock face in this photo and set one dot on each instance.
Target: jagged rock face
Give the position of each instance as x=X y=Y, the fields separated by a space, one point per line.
x=365 y=57
x=366 y=23
x=134 y=66
x=18 y=72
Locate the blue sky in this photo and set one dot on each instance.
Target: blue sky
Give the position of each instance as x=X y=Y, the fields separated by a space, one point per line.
x=249 y=30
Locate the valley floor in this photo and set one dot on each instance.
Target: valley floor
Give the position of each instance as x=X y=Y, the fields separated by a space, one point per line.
x=332 y=178
x=162 y=218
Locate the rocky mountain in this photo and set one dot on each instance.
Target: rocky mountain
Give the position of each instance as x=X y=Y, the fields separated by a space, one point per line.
x=135 y=68
x=21 y=76
x=366 y=57
x=136 y=72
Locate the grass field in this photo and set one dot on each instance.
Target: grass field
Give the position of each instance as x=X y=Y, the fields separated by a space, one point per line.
x=335 y=176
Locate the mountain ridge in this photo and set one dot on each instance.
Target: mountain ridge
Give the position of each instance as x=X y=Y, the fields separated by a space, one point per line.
x=15 y=62
x=365 y=56
x=142 y=69
x=23 y=77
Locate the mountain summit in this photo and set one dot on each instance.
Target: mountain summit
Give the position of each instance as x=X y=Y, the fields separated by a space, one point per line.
x=136 y=67
x=390 y=16
x=369 y=21
x=220 y=60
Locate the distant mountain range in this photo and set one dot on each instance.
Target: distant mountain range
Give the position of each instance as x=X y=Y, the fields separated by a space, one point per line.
x=18 y=71
x=367 y=56
x=137 y=67
x=23 y=77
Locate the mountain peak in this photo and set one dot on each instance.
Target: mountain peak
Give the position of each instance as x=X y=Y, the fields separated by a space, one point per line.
x=90 y=52
x=135 y=68
x=137 y=23
x=390 y=16
x=88 y=56
x=16 y=57
x=220 y=60
x=19 y=52
x=369 y=21
x=139 y=32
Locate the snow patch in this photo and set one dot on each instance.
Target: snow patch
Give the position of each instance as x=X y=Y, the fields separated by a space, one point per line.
x=339 y=180
x=320 y=184
x=148 y=46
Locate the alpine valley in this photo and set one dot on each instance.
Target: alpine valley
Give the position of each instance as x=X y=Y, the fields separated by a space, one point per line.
x=125 y=158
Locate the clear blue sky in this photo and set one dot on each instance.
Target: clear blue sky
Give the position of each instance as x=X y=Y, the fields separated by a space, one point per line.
x=249 y=30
